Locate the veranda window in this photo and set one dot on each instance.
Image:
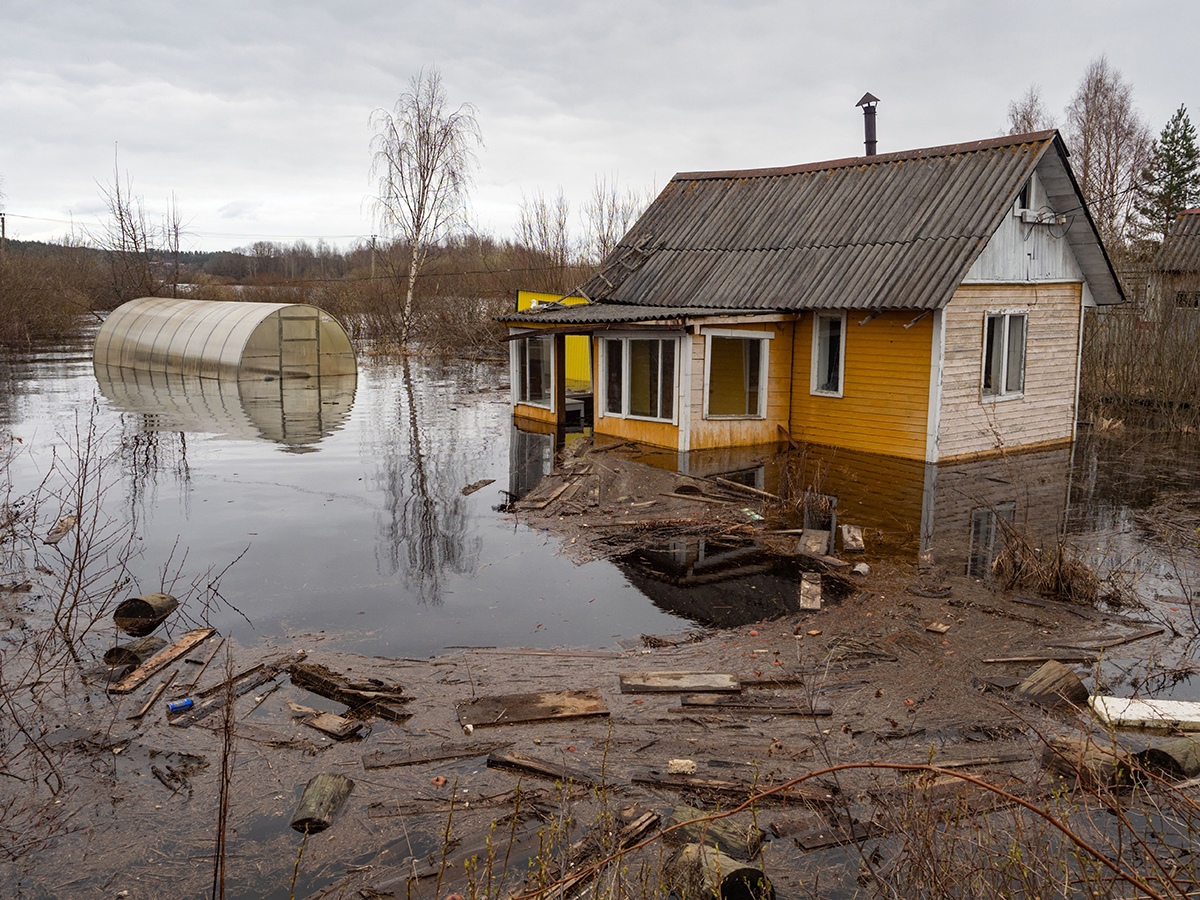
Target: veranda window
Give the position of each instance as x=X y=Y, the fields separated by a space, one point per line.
x=533 y=370
x=639 y=377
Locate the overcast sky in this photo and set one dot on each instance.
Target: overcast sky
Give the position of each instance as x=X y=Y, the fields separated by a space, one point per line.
x=255 y=114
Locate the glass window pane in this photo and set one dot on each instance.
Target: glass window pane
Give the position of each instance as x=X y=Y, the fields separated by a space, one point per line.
x=991 y=354
x=829 y=354
x=1014 y=379
x=733 y=376
x=643 y=378
x=540 y=369
x=666 y=407
x=613 y=377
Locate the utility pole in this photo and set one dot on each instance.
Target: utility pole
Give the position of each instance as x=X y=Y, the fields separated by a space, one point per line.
x=3 y=235
x=372 y=257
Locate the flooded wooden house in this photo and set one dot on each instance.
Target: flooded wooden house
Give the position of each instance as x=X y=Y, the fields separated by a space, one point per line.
x=926 y=304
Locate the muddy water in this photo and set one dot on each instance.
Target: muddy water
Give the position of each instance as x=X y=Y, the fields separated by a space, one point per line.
x=354 y=528
x=342 y=513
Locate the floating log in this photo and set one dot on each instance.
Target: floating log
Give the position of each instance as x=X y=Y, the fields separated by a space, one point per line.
x=675 y=682
x=512 y=709
x=1090 y=764
x=1173 y=760
x=810 y=590
x=133 y=653
x=735 y=836
x=1053 y=685
x=160 y=660
x=323 y=797
x=138 y=616
x=699 y=871
x=1124 y=712
x=372 y=696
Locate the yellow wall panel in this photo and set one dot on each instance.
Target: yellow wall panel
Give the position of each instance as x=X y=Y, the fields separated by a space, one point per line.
x=884 y=407
x=579 y=346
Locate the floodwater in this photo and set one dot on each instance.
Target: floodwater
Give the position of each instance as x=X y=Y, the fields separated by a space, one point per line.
x=339 y=512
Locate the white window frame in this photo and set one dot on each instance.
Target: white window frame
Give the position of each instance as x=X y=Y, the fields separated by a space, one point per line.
x=1000 y=392
x=520 y=346
x=624 y=339
x=816 y=367
x=764 y=352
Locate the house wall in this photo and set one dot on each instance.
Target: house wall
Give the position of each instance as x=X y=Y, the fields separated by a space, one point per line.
x=529 y=413
x=708 y=433
x=1045 y=413
x=884 y=407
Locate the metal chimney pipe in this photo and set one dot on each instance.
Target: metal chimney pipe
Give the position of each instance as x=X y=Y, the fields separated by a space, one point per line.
x=868 y=104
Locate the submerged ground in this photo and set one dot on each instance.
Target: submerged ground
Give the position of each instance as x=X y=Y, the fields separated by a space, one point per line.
x=362 y=550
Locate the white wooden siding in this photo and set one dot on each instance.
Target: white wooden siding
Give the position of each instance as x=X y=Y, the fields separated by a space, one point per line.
x=1045 y=412
x=1023 y=251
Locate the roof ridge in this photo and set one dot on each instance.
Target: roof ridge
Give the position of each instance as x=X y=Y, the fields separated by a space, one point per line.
x=1033 y=137
x=823 y=246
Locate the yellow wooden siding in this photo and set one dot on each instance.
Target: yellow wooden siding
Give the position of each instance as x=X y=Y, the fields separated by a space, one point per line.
x=709 y=433
x=658 y=434
x=579 y=359
x=1045 y=413
x=534 y=413
x=884 y=407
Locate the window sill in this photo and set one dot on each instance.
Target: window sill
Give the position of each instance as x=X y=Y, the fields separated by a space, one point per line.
x=753 y=418
x=837 y=394
x=1001 y=398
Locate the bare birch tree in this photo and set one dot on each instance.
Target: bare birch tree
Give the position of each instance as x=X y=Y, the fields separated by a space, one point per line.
x=424 y=154
x=607 y=215
x=544 y=231
x=1110 y=147
x=1029 y=113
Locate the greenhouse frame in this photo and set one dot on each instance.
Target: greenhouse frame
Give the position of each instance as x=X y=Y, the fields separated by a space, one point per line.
x=224 y=339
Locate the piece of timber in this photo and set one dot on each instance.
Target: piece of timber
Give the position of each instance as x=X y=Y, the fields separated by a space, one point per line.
x=1035 y=656
x=737 y=703
x=738 y=790
x=541 y=768
x=541 y=706
x=153 y=698
x=678 y=682
x=384 y=759
x=161 y=660
x=217 y=696
x=372 y=697
x=338 y=727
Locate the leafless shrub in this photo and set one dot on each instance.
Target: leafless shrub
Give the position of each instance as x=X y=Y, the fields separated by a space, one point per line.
x=1057 y=571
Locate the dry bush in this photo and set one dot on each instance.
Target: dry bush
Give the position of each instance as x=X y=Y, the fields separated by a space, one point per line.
x=1058 y=571
x=42 y=297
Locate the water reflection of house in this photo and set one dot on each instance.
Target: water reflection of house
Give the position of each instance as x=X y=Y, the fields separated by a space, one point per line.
x=925 y=305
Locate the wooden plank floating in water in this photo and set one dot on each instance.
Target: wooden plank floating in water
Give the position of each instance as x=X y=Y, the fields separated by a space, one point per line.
x=725 y=703
x=1125 y=712
x=678 y=682
x=335 y=726
x=1035 y=656
x=161 y=660
x=384 y=759
x=541 y=768
x=511 y=709
x=372 y=696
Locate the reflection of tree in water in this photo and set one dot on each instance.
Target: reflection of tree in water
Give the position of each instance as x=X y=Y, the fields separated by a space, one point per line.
x=425 y=523
x=146 y=455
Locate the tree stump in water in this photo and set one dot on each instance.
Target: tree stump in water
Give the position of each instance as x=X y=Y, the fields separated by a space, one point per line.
x=138 y=616
x=323 y=797
x=697 y=871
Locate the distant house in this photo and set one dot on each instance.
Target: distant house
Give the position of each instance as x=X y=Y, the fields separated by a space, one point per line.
x=925 y=304
x=1175 y=275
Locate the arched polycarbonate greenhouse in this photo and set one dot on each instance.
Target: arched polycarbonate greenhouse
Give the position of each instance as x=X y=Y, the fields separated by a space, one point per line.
x=219 y=339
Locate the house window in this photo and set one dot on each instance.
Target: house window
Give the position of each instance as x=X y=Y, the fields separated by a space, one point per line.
x=829 y=352
x=987 y=537
x=639 y=377
x=735 y=375
x=533 y=370
x=1004 y=354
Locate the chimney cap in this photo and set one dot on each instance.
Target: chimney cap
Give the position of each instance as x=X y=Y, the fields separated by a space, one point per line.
x=868 y=99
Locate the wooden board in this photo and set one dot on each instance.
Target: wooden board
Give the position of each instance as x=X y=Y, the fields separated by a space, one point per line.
x=511 y=709
x=374 y=696
x=801 y=706
x=541 y=768
x=383 y=759
x=333 y=725
x=160 y=660
x=810 y=590
x=678 y=682
x=1124 y=712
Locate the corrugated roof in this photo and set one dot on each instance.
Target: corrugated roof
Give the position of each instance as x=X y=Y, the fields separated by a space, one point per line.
x=893 y=231
x=608 y=314
x=1181 y=250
